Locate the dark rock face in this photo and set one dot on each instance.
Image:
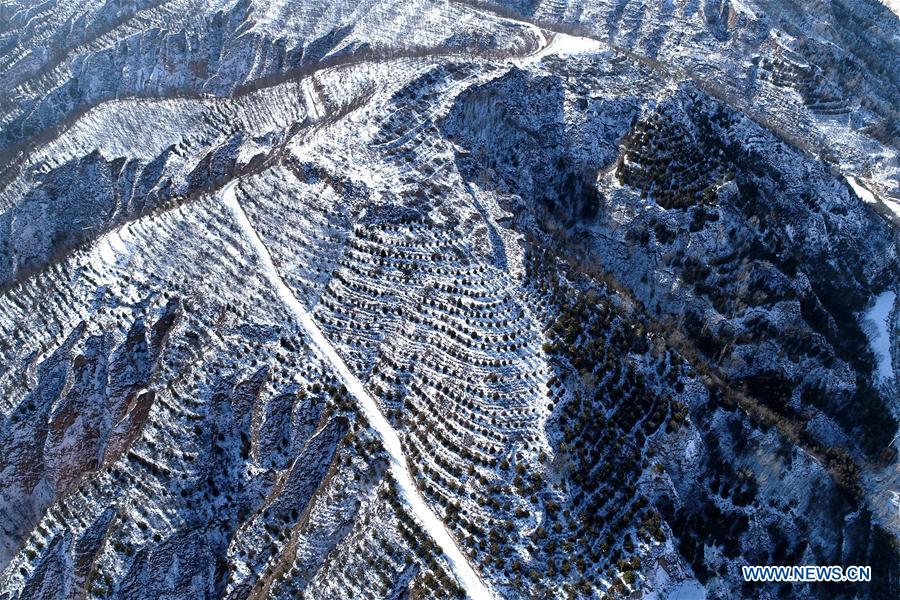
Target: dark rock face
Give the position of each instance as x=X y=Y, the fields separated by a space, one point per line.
x=620 y=277
x=86 y=409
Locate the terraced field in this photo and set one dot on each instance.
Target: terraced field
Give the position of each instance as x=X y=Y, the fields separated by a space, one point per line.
x=380 y=299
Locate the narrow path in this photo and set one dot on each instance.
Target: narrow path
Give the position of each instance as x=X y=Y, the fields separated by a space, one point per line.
x=467 y=576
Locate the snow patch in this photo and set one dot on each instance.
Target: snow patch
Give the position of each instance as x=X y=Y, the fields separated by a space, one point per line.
x=864 y=194
x=876 y=324
x=868 y=197
x=111 y=247
x=688 y=589
x=310 y=98
x=567 y=45
x=562 y=44
x=894 y=5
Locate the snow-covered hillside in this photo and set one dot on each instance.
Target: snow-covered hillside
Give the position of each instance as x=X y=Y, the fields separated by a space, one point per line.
x=450 y=298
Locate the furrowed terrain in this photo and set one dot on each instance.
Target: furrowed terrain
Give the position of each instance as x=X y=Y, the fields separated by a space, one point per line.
x=383 y=299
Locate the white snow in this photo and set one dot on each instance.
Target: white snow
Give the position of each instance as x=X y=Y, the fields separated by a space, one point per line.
x=862 y=192
x=689 y=589
x=868 y=197
x=567 y=45
x=469 y=579
x=310 y=95
x=877 y=327
x=111 y=247
x=561 y=44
